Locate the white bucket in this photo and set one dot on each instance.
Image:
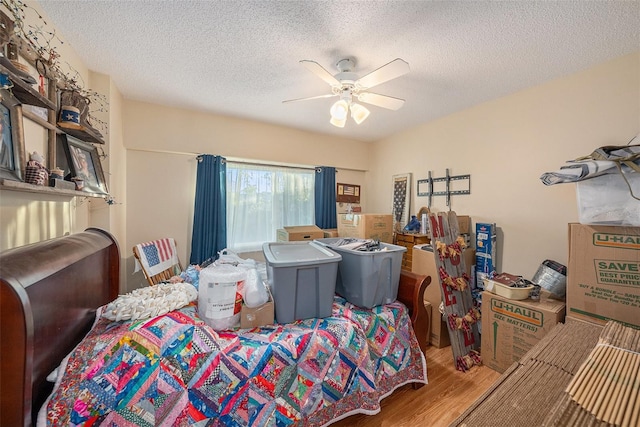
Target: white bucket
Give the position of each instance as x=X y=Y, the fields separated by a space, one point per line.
x=220 y=295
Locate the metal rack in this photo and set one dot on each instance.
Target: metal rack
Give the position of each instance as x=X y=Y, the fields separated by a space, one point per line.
x=429 y=190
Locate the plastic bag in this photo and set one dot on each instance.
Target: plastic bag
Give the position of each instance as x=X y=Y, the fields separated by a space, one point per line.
x=255 y=292
x=227 y=256
x=191 y=275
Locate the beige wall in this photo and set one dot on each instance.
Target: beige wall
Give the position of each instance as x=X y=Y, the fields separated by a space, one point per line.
x=505 y=145
x=31 y=217
x=112 y=217
x=162 y=143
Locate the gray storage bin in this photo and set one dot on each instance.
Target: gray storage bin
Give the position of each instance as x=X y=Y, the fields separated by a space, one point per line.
x=368 y=279
x=302 y=277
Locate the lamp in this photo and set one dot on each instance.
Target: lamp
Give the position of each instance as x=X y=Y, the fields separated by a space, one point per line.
x=338 y=122
x=340 y=109
x=359 y=113
x=339 y=112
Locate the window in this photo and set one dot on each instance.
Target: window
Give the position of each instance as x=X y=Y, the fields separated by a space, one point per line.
x=261 y=199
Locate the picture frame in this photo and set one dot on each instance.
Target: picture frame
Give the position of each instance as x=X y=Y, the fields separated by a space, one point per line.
x=401 y=201
x=12 y=151
x=83 y=162
x=348 y=193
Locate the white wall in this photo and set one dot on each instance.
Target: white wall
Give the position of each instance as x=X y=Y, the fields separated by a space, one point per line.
x=505 y=145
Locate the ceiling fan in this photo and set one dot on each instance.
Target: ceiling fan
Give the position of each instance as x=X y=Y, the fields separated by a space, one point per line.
x=346 y=85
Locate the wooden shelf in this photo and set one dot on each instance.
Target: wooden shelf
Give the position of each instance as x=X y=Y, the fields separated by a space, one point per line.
x=7 y=184
x=39 y=120
x=26 y=93
x=82 y=133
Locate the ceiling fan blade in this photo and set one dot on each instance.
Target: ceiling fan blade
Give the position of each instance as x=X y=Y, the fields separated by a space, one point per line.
x=311 y=97
x=319 y=71
x=383 y=101
x=387 y=72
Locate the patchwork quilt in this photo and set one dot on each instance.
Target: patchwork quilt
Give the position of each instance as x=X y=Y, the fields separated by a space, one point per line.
x=175 y=370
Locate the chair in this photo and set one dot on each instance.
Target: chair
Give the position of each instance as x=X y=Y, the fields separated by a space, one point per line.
x=158 y=259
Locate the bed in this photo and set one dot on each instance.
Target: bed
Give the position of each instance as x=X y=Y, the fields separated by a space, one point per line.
x=51 y=291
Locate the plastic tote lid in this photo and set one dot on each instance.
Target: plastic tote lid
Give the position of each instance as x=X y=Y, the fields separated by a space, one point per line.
x=289 y=254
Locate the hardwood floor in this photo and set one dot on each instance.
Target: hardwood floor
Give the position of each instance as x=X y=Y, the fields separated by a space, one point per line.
x=438 y=403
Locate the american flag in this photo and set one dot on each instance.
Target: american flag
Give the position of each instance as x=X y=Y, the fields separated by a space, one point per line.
x=157 y=251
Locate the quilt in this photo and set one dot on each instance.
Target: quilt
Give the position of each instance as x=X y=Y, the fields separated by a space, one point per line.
x=176 y=370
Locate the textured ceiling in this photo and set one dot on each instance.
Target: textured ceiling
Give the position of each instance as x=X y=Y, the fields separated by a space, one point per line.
x=241 y=58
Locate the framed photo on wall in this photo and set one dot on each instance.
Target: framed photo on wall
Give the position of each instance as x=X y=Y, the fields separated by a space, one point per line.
x=84 y=163
x=348 y=193
x=12 y=152
x=401 y=200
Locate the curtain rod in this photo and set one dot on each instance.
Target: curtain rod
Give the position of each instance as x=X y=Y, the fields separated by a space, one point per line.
x=245 y=162
x=148 y=150
x=237 y=160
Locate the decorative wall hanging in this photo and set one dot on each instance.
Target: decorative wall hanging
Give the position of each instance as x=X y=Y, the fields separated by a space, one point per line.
x=401 y=200
x=74 y=112
x=84 y=165
x=348 y=193
x=12 y=152
x=37 y=41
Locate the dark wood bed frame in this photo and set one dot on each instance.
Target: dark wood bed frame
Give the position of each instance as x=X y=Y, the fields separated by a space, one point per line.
x=49 y=293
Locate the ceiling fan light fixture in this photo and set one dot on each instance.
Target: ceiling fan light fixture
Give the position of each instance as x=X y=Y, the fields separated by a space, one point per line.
x=339 y=110
x=348 y=86
x=338 y=122
x=359 y=113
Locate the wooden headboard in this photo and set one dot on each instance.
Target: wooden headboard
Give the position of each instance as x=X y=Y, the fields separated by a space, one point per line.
x=49 y=292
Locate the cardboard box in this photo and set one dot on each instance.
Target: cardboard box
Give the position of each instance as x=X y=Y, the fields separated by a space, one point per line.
x=510 y=328
x=330 y=232
x=603 y=277
x=530 y=391
x=485 y=247
x=423 y=262
x=441 y=338
x=464 y=224
x=257 y=316
x=299 y=233
x=429 y=309
x=366 y=226
x=485 y=252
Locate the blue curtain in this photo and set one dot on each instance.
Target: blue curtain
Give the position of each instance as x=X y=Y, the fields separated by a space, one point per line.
x=210 y=211
x=325 y=197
